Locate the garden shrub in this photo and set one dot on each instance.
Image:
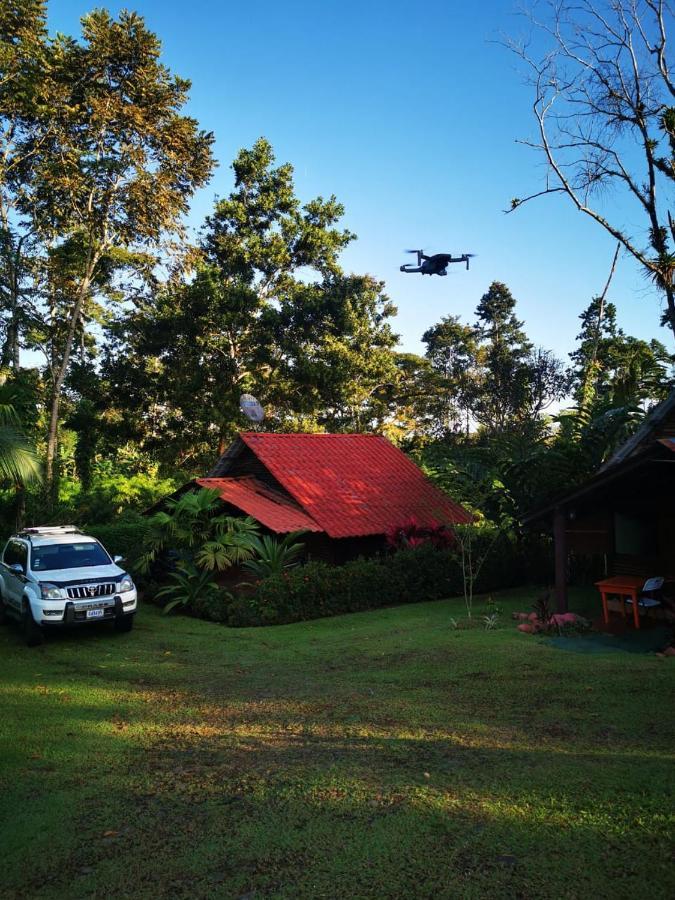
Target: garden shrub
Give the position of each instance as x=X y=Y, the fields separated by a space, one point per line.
x=214 y=606
x=125 y=537
x=318 y=589
x=411 y=575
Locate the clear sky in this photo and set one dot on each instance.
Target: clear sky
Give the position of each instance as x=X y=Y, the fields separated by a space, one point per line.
x=409 y=116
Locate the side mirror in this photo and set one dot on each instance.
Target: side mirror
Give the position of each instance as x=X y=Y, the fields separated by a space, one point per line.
x=17 y=568
x=117 y=559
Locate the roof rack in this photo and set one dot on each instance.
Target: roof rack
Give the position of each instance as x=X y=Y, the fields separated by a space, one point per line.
x=51 y=529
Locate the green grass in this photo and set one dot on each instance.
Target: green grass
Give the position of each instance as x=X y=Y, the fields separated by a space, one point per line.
x=378 y=755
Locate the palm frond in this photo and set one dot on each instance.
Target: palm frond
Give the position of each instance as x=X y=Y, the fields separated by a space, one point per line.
x=18 y=460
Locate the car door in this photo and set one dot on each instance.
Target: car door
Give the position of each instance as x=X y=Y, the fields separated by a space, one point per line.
x=15 y=552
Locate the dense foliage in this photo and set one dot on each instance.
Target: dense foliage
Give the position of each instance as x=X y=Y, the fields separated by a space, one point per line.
x=406 y=576
x=148 y=339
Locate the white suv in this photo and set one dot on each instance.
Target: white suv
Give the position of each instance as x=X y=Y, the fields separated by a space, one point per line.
x=58 y=576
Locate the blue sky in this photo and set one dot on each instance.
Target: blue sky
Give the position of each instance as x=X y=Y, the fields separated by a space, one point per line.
x=411 y=119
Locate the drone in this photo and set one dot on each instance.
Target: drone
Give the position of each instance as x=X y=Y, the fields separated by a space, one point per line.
x=436 y=264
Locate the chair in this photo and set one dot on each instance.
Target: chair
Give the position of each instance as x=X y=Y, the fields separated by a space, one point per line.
x=650 y=595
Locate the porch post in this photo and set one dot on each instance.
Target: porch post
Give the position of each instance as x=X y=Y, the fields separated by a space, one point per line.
x=560 y=544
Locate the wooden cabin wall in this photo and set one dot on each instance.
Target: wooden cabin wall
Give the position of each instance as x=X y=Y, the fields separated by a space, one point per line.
x=590 y=532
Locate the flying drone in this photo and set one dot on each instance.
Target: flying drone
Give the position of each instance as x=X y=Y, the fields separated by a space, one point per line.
x=436 y=264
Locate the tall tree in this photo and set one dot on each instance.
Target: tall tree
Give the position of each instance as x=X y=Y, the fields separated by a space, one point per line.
x=611 y=367
x=25 y=87
x=263 y=307
x=333 y=366
x=261 y=235
x=503 y=357
x=604 y=103
x=113 y=161
x=452 y=350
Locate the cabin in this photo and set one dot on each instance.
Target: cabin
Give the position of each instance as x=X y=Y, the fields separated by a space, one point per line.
x=346 y=491
x=622 y=520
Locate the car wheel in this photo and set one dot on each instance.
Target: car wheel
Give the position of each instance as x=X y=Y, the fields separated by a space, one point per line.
x=32 y=633
x=124 y=623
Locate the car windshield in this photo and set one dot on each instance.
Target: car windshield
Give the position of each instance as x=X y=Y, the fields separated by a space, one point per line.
x=68 y=556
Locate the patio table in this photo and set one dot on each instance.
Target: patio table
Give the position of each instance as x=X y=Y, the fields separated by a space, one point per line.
x=623 y=586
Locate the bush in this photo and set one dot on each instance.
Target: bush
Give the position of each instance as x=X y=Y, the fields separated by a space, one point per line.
x=406 y=576
x=317 y=589
x=122 y=538
x=214 y=606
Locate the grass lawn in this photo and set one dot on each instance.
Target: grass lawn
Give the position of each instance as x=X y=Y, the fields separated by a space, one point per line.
x=379 y=755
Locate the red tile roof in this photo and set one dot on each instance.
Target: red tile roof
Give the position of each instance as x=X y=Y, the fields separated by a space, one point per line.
x=268 y=507
x=352 y=484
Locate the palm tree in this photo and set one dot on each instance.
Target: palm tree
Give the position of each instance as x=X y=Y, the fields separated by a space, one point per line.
x=19 y=462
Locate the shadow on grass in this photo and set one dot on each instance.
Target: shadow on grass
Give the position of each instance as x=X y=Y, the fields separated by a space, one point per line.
x=142 y=805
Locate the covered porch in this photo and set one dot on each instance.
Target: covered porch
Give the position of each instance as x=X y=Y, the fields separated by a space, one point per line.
x=619 y=523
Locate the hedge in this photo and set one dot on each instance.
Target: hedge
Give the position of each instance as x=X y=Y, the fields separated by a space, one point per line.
x=407 y=576
x=124 y=538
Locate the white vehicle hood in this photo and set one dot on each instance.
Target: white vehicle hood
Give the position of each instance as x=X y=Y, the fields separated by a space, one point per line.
x=82 y=574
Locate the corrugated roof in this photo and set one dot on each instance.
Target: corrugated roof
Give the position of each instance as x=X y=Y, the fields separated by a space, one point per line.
x=268 y=507
x=352 y=484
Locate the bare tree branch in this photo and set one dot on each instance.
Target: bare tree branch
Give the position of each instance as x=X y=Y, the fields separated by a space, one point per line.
x=602 y=90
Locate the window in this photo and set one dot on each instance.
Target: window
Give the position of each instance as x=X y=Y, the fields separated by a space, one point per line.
x=11 y=555
x=634 y=536
x=16 y=552
x=68 y=556
x=22 y=555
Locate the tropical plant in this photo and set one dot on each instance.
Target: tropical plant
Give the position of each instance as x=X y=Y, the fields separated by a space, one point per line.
x=234 y=543
x=490 y=621
x=188 y=585
x=191 y=526
x=411 y=534
x=542 y=607
x=273 y=556
x=19 y=463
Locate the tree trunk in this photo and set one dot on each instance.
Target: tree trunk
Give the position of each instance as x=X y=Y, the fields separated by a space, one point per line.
x=52 y=434
x=20 y=507
x=52 y=437
x=670 y=313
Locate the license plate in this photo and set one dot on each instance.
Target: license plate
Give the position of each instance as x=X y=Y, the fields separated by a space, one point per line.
x=95 y=613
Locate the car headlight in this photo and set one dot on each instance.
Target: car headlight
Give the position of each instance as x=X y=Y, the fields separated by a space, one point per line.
x=50 y=592
x=126 y=584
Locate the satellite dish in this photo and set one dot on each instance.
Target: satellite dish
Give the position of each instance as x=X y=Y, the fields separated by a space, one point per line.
x=251 y=408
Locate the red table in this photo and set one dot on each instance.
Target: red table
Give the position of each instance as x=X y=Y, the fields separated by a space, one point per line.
x=624 y=586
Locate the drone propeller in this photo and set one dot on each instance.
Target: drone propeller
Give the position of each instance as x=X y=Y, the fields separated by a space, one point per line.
x=413 y=251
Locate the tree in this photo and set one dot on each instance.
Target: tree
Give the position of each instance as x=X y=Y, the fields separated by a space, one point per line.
x=591 y=357
x=112 y=161
x=24 y=91
x=333 y=366
x=262 y=306
x=452 y=350
x=504 y=352
x=261 y=235
x=604 y=102
x=179 y=360
x=613 y=368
